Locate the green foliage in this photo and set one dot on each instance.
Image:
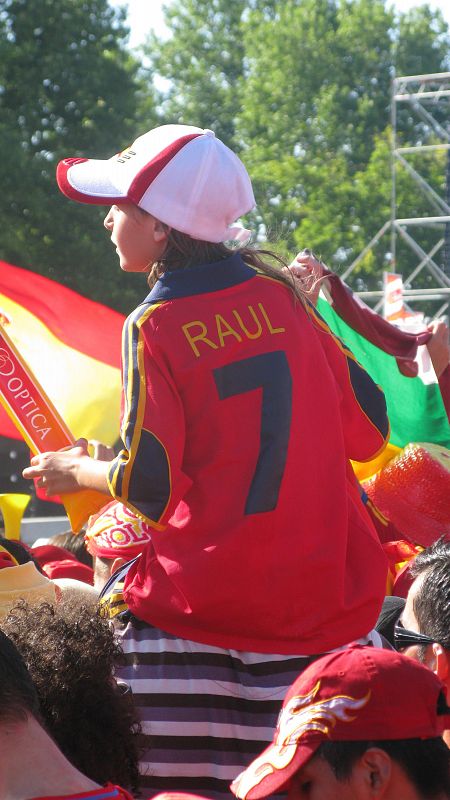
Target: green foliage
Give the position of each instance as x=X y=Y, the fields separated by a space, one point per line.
x=202 y=61
x=68 y=87
x=421 y=40
x=306 y=101
x=300 y=88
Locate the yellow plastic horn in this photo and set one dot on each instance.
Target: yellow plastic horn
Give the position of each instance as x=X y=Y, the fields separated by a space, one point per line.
x=12 y=506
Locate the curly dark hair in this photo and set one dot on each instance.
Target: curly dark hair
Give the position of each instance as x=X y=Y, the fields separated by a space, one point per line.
x=71 y=653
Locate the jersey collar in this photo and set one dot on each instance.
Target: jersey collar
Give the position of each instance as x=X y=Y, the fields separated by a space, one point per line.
x=201 y=279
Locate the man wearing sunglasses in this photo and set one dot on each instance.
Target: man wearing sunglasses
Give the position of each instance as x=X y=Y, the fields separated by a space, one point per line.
x=423 y=630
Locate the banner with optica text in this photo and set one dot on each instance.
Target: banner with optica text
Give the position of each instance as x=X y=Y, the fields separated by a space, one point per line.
x=39 y=423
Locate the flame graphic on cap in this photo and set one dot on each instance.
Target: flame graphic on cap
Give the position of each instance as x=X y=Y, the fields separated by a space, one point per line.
x=300 y=715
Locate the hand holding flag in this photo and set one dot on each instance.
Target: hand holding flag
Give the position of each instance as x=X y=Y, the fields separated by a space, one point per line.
x=418 y=405
x=308 y=270
x=439 y=346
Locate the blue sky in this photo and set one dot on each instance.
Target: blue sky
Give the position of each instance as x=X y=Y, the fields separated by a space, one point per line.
x=147 y=15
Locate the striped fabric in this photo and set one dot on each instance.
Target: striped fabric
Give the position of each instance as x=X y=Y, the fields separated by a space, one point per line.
x=206 y=711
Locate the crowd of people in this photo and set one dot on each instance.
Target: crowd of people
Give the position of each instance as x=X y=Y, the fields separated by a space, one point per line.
x=221 y=626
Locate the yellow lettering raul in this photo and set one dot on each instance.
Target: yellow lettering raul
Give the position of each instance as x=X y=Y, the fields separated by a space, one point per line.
x=268 y=322
x=225 y=329
x=198 y=337
x=245 y=330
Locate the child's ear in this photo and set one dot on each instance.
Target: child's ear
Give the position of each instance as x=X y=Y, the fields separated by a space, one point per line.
x=160 y=231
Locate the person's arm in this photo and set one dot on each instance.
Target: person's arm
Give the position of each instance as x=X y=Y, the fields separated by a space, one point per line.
x=366 y=425
x=363 y=405
x=147 y=474
x=439 y=346
x=69 y=470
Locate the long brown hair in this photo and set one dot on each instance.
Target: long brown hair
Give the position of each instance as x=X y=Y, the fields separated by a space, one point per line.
x=183 y=251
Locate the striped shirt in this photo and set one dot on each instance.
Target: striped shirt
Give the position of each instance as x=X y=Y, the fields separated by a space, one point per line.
x=206 y=711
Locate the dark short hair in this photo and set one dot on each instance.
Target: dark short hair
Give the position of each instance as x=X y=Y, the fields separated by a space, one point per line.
x=432 y=602
x=18 y=696
x=74 y=543
x=18 y=550
x=426 y=762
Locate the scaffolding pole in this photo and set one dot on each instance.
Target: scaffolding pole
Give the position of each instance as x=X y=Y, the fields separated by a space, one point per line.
x=428 y=98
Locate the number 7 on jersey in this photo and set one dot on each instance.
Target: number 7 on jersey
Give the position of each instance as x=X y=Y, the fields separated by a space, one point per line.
x=269 y=372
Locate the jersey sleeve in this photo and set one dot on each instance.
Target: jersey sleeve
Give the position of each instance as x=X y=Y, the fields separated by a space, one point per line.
x=146 y=475
x=363 y=405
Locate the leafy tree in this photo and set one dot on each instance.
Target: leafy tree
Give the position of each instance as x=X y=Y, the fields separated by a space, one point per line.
x=303 y=90
x=421 y=41
x=202 y=63
x=313 y=121
x=68 y=87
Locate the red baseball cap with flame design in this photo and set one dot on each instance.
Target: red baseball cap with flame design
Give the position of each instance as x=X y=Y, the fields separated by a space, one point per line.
x=356 y=694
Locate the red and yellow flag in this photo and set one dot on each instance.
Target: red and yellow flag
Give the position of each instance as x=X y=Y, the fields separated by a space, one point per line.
x=72 y=345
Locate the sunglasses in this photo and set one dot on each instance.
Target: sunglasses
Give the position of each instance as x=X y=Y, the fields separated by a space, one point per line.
x=404 y=638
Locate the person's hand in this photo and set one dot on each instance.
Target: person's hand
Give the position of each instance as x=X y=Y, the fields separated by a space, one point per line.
x=308 y=271
x=57 y=472
x=439 y=346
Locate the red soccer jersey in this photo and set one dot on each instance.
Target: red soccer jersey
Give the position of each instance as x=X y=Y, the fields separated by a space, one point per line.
x=241 y=412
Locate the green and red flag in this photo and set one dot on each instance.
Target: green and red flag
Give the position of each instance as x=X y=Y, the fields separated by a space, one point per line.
x=397 y=361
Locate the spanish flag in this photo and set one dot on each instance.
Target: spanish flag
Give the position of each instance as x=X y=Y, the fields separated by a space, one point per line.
x=72 y=345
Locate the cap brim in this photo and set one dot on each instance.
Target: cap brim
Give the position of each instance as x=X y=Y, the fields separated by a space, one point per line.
x=88 y=180
x=108 y=552
x=263 y=778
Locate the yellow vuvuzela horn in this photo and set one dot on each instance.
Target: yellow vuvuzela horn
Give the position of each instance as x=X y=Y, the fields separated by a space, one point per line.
x=13 y=507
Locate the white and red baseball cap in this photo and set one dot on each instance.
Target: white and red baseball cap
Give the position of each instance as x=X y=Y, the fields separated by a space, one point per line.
x=182 y=175
x=356 y=694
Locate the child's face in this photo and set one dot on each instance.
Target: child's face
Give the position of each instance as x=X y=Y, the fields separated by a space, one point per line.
x=140 y=239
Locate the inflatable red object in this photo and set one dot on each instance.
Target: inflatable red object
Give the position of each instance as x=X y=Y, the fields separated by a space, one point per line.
x=413 y=491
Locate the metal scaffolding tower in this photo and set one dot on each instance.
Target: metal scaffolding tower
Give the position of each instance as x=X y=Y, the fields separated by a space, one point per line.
x=427 y=99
